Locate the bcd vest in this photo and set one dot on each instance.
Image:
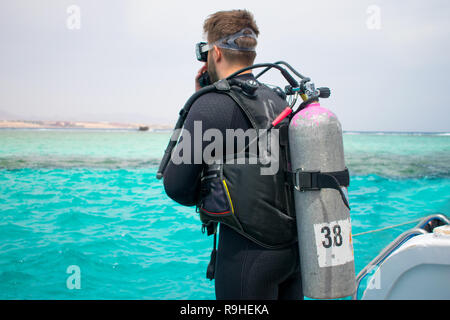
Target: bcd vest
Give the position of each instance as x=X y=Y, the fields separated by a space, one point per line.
x=259 y=207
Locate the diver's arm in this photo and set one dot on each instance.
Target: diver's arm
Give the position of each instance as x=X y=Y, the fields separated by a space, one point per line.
x=214 y=110
x=182 y=181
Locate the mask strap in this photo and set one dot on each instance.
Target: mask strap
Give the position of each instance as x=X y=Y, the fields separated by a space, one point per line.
x=228 y=42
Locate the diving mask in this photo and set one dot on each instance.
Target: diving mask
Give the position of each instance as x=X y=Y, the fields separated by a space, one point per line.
x=228 y=42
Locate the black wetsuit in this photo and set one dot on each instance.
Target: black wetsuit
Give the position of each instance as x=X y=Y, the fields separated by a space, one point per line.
x=244 y=270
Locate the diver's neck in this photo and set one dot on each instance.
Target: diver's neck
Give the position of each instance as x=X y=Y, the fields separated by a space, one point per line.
x=229 y=71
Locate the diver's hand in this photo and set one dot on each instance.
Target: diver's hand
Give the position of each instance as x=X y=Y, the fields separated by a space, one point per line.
x=200 y=72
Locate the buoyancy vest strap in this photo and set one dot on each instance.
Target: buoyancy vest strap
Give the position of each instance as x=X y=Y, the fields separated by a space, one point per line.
x=211 y=270
x=244 y=108
x=316 y=180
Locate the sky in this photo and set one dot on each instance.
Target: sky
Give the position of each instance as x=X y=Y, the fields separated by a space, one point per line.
x=385 y=61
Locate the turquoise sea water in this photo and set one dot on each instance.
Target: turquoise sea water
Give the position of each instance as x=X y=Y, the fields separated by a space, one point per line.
x=91 y=199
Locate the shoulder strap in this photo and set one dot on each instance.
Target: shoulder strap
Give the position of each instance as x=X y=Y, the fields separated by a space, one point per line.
x=232 y=94
x=261 y=105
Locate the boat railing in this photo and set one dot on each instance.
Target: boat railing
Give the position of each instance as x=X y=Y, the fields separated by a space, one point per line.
x=426 y=225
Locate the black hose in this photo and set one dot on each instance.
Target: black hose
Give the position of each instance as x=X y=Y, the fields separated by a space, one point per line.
x=298 y=74
x=183 y=113
x=176 y=133
x=283 y=71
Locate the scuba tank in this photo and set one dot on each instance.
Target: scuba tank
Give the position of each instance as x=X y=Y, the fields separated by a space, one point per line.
x=316 y=173
x=323 y=218
x=320 y=180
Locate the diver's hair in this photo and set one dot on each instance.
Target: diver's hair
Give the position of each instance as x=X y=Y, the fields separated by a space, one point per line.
x=225 y=23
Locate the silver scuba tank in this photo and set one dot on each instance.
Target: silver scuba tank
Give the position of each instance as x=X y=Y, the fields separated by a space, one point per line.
x=323 y=217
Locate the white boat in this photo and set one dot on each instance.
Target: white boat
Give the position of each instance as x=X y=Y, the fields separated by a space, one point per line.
x=416 y=265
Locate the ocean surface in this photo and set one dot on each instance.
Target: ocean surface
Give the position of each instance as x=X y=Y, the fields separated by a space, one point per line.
x=89 y=200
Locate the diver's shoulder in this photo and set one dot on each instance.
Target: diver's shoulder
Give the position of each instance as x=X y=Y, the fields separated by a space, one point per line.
x=213 y=96
x=214 y=100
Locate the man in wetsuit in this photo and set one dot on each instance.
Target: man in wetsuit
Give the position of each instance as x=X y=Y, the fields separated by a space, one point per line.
x=244 y=269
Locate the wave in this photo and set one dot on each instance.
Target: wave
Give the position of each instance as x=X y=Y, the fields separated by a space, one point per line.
x=405 y=133
x=72 y=162
x=399 y=166
x=386 y=165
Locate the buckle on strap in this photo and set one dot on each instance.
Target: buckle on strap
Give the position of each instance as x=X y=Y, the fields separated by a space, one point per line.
x=316 y=180
x=222 y=85
x=306 y=180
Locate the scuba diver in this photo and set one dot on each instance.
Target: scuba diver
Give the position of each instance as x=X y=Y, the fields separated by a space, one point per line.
x=279 y=191
x=257 y=256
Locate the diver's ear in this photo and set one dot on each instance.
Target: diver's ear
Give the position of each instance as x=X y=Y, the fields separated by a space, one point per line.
x=217 y=54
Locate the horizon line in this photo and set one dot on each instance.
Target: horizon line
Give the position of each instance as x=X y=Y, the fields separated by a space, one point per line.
x=64 y=124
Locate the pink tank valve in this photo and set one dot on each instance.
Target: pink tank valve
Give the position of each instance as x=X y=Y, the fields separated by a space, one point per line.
x=312 y=111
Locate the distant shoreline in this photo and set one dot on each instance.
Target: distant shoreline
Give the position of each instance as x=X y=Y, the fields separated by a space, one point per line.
x=436 y=133
x=28 y=124
x=105 y=125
